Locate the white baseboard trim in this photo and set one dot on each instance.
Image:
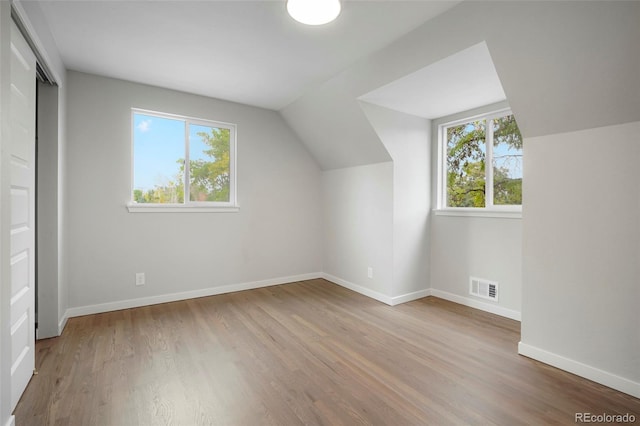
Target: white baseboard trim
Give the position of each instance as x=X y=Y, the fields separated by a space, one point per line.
x=404 y=298
x=487 y=307
x=173 y=297
x=63 y=322
x=583 y=370
x=11 y=421
x=392 y=301
x=358 y=289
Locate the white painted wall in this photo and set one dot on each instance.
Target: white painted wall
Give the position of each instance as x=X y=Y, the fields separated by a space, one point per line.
x=582 y=253
x=357 y=206
x=275 y=234
x=407 y=138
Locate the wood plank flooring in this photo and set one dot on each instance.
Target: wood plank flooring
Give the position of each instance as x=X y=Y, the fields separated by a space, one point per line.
x=304 y=353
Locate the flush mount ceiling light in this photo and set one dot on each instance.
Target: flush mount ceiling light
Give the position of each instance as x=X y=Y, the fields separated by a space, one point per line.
x=314 y=12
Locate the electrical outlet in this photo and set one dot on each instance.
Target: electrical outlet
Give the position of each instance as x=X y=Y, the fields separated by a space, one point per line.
x=370 y=272
x=140 y=279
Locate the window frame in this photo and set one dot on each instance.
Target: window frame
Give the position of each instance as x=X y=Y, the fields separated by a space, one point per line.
x=490 y=209
x=188 y=205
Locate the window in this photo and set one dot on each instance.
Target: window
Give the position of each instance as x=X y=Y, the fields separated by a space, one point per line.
x=163 y=144
x=466 y=148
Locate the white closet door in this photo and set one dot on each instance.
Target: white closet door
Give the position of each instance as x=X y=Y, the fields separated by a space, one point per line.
x=22 y=198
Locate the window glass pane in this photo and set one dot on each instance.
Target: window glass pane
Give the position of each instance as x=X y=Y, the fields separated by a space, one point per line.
x=158 y=170
x=466 y=152
x=209 y=163
x=507 y=162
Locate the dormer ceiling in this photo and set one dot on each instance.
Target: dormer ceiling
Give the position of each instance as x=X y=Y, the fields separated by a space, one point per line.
x=460 y=82
x=563 y=66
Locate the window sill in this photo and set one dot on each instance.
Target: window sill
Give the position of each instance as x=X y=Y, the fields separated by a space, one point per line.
x=471 y=212
x=179 y=208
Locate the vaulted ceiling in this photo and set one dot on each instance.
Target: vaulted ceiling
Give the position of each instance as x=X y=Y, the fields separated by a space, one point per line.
x=250 y=52
x=563 y=65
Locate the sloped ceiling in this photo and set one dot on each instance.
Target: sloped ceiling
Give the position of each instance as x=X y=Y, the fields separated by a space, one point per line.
x=245 y=51
x=460 y=82
x=564 y=66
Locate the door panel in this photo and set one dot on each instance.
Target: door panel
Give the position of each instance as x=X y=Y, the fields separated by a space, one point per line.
x=19 y=206
x=19 y=273
x=19 y=241
x=20 y=174
x=22 y=199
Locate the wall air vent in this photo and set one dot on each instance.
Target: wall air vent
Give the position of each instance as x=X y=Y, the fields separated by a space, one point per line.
x=483 y=288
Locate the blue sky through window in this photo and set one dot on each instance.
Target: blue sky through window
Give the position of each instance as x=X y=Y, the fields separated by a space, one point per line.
x=509 y=157
x=158 y=145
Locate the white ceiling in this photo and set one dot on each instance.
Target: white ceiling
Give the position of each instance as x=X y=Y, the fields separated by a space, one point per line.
x=460 y=82
x=250 y=52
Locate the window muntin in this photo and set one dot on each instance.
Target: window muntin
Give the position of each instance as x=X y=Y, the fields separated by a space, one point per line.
x=164 y=143
x=466 y=147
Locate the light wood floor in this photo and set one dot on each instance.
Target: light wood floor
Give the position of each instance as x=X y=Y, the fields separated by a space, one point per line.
x=305 y=353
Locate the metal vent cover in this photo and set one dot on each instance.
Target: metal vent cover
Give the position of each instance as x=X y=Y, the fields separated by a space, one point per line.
x=483 y=288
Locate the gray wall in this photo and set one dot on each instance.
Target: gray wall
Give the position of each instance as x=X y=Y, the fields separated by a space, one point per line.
x=564 y=66
x=47 y=212
x=582 y=252
x=482 y=247
x=275 y=234
x=63 y=210
x=377 y=215
x=358 y=227
x=407 y=139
